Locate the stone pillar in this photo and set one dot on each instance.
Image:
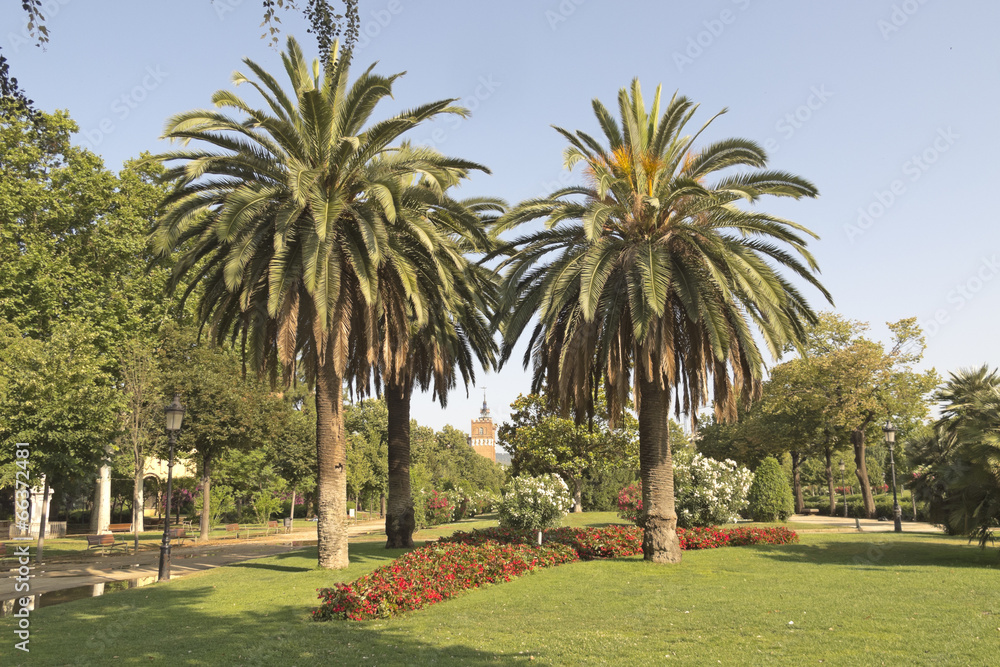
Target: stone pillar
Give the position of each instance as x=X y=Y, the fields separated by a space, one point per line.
x=100 y=516
x=37 y=507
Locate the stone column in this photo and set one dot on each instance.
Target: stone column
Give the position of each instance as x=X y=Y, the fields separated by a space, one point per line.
x=100 y=516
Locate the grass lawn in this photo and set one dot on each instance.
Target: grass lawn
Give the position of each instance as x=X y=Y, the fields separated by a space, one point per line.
x=865 y=599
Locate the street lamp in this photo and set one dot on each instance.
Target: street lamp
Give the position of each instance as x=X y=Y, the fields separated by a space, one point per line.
x=843 y=486
x=890 y=439
x=175 y=415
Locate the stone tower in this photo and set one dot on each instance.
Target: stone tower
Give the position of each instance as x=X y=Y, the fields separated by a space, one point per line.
x=483 y=434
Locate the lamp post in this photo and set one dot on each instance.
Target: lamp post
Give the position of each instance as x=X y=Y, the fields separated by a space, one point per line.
x=890 y=439
x=175 y=414
x=843 y=486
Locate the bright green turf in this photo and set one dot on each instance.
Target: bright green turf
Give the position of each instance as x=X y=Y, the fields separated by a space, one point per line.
x=864 y=599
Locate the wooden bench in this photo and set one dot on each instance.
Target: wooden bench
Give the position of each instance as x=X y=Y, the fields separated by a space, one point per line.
x=178 y=534
x=120 y=527
x=270 y=525
x=235 y=528
x=105 y=542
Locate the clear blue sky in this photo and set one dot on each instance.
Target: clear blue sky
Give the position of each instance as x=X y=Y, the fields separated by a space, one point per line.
x=889 y=107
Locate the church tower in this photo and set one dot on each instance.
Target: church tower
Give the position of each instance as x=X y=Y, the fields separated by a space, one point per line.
x=482 y=435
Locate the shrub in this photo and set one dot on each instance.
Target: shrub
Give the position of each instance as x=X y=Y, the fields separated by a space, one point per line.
x=709 y=492
x=438 y=508
x=706 y=492
x=630 y=502
x=431 y=574
x=770 y=497
x=534 y=503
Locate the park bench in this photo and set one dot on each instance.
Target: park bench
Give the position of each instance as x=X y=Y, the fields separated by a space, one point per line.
x=809 y=511
x=179 y=534
x=120 y=527
x=270 y=525
x=105 y=542
x=235 y=528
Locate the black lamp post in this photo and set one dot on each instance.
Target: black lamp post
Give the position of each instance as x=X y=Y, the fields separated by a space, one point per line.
x=175 y=414
x=843 y=486
x=890 y=439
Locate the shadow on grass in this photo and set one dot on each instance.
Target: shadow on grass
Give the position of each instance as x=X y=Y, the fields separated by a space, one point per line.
x=228 y=619
x=267 y=566
x=884 y=552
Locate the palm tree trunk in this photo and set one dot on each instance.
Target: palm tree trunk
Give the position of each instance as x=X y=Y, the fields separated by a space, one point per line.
x=858 y=440
x=656 y=469
x=830 y=483
x=800 y=504
x=399 y=521
x=205 y=523
x=331 y=464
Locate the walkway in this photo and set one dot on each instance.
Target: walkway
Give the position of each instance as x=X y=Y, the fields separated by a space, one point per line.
x=184 y=560
x=842 y=525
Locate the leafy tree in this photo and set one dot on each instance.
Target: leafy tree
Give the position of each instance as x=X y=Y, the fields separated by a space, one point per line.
x=849 y=385
x=653 y=278
x=367 y=425
x=769 y=499
x=58 y=399
x=223 y=410
x=293 y=450
x=542 y=442
x=289 y=250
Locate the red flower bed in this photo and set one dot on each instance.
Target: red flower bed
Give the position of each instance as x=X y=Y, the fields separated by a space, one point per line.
x=431 y=574
x=468 y=560
x=588 y=543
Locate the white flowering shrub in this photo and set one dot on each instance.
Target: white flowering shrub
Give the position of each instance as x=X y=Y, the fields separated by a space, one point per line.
x=534 y=503
x=709 y=492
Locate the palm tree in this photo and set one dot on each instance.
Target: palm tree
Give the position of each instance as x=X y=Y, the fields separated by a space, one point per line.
x=460 y=299
x=283 y=219
x=649 y=278
x=959 y=465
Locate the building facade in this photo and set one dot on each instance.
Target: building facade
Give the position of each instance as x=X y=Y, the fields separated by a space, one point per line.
x=483 y=434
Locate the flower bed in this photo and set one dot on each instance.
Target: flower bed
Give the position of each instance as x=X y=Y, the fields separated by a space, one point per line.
x=468 y=560
x=588 y=543
x=431 y=574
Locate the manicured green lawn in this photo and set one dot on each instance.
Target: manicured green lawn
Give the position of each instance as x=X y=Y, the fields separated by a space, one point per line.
x=865 y=599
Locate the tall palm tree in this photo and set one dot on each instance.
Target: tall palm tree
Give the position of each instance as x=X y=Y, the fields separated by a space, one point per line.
x=433 y=352
x=649 y=278
x=283 y=218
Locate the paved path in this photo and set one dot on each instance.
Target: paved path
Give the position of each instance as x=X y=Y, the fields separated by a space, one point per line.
x=56 y=576
x=840 y=524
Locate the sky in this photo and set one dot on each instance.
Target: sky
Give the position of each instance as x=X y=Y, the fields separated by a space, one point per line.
x=888 y=107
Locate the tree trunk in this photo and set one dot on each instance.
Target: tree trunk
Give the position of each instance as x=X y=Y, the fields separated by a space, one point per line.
x=800 y=503
x=829 y=482
x=331 y=463
x=381 y=505
x=577 y=495
x=291 y=511
x=399 y=521
x=858 y=440
x=659 y=520
x=43 y=521
x=205 y=522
